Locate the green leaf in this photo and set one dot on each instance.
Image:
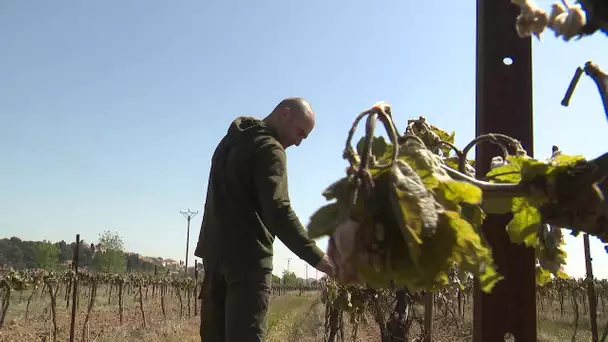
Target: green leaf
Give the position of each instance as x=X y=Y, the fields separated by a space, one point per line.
x=417 y=205
x=514 y=169
x=410 y=223
x=324 y=221
x=565 y=160
x=438 y=253
x=424 y=172
x=508 y=173
x=426 y=164
x=339 y=190
x=453 y=162
x=489 y=278
x=380 y=148
x=549 y=251
x=471 y=253
x=444 y=136
x=473 y=214
x=525 y=225
x=524 y=168
x=533 y=170
x=542 y=276
x=460 y=191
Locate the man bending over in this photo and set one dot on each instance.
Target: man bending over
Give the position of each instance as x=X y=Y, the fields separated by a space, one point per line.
x=248 y=205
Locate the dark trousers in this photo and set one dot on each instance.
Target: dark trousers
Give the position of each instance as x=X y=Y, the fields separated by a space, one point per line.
x=234 y=303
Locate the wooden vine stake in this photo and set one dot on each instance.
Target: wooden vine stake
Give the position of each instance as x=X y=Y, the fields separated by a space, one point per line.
x=75 y=288
x=590 y=290
x=195 y=286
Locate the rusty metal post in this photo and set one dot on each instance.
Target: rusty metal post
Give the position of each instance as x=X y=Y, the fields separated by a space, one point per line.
x=504 y=105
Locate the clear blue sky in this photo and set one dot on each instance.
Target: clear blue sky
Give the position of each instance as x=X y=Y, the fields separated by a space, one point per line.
x=110 y=110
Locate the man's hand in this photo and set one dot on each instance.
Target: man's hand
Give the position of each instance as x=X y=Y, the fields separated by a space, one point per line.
x=326 y=266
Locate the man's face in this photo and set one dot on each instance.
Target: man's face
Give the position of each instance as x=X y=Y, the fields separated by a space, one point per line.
x=296 y=127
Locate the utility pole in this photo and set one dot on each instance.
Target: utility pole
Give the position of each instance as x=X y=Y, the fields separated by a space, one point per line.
x=188 y=215
x=288 y=261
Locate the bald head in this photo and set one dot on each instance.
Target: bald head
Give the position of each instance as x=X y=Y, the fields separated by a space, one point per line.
x=296 y=105
x=293 y=119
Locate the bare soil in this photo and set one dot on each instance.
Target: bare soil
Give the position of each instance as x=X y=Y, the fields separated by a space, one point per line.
x=292 y=317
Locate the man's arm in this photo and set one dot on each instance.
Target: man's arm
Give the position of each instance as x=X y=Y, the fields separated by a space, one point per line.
x=271 y=184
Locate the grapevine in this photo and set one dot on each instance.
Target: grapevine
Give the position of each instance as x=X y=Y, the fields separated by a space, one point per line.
x=404 y=215
x=184 y=290
x=449 y=302
x=9 y=281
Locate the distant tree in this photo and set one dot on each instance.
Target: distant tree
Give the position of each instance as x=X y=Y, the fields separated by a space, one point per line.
x=289 y=278
x=65 y=252
x=11 y=252
x=85 y=255
x=21 y=254
x=112 y=257
x=276 y=279
x=47 y=255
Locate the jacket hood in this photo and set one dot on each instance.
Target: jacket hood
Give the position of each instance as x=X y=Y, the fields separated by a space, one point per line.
x=244 y=126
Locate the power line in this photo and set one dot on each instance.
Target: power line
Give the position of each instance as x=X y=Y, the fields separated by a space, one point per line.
x=188 y=215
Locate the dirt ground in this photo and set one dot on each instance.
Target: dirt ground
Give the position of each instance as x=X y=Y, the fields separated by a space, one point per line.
x=104 y=321
x=292 y=317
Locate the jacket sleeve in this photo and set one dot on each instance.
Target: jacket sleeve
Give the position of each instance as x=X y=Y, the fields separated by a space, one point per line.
x=271 y=185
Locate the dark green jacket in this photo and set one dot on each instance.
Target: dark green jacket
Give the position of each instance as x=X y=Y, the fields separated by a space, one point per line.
x=248 y=202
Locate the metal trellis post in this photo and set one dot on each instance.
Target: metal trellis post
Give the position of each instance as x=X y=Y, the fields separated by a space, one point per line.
x=504 y=105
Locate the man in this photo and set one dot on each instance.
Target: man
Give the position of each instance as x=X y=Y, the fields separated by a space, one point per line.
x=247 y=206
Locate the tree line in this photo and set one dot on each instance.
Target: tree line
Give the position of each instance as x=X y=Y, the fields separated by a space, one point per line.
x=20 y=254
x=290 y=278
x=58 y=256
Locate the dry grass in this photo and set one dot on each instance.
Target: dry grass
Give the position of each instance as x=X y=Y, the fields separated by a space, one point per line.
x=554 y=327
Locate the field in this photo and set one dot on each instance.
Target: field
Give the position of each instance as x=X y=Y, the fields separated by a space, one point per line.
x=294 y=316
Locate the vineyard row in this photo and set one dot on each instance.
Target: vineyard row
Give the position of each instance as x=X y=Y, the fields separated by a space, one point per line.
x=394 y=310
x=59 y=287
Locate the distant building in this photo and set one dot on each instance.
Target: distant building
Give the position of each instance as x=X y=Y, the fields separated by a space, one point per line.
x=170 y=263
